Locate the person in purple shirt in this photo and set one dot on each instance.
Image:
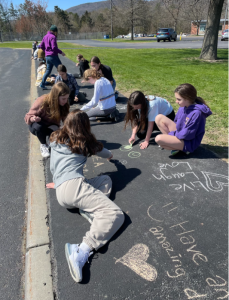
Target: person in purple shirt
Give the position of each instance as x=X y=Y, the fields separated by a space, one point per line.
x=185 y=133
x=49 y=46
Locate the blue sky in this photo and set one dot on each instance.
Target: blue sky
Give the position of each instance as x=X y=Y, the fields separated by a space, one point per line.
x=62 y=4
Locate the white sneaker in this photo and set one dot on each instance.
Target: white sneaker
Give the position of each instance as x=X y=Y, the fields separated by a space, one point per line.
x=44 y=150
x=76 y=259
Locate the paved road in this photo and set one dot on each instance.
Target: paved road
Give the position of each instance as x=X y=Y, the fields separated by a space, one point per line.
x=174 y=242
x=186 y=42
x=15 y=91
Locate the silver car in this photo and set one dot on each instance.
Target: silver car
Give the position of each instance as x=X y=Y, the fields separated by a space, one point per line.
x=224 y=35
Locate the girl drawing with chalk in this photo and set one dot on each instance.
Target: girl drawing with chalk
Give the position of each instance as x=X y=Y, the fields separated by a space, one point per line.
x=141 y=113
x=70 y=147
x=46 y=114
x=187 y=130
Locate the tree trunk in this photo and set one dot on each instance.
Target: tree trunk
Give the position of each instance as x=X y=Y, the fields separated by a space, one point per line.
x=209 y=48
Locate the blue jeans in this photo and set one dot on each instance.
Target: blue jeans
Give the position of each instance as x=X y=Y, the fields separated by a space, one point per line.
x=50 y=61
x=114 y=86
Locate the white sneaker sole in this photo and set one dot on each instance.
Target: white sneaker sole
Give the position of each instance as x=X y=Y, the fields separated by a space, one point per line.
x=76 y=277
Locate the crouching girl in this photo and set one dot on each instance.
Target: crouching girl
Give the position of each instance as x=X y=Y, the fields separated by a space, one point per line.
x=186 y=132
x=46 y=114
x=141 y=113
x=70 y=147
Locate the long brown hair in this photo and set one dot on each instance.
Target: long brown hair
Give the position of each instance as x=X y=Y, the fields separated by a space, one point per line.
x=189 y=92
x=76 y=134
x=91 y=73
x=96 y=60
x=51 y=102
x=132 y=115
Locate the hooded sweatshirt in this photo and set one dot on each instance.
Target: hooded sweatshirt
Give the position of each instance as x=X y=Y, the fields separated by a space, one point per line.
x=49 y=44
x=190 y=125
x=65 y=165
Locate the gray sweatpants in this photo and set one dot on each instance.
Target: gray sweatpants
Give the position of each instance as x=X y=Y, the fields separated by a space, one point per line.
x=96 y=112
x=92 y=196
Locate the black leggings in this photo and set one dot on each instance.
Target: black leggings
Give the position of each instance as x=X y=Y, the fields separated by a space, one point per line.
x=141 y=134
x=40 y=130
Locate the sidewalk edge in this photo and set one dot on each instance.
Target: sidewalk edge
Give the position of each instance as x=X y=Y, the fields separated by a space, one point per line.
x=38 y=277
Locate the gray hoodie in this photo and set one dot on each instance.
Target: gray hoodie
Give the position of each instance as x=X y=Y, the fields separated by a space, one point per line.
x=66 y=165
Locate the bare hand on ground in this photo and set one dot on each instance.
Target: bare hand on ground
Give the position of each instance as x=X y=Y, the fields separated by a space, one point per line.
x=144 y=145
x=76 y=99
x=110 y=157
x=50 y=185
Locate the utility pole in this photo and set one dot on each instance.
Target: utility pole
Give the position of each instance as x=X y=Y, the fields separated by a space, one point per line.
x=111 y=20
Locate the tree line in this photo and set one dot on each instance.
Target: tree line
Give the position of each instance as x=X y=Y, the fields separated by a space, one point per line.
x=139 y=16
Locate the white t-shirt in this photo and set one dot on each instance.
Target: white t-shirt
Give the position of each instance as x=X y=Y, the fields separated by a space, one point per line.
x=157 y=106
x=102 y=89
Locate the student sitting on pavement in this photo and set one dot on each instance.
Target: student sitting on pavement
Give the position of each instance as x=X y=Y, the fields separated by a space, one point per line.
x=103 y=102
x=105 y=72
x=185 y=133
x=141 y=113
x=70 y=80
x=46 y=113
x=83 y=64
x=49 y=46
x=40 y=73
x=70 y=147
x=40 y=54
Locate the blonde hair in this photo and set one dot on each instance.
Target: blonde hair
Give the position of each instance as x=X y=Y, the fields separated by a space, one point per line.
x=91 y=73
x=51 y=102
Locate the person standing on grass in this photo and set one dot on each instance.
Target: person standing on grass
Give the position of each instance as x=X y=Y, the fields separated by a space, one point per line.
x=185 y=133
x=70 y=148
x=103 y=102
x=46 y=113
x=141 y=113
x=105 y=71
x=49 y=46
x=83 y=64
x=70 y=81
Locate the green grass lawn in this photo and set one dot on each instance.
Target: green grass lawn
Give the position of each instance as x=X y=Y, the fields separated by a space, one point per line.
x=27 y=44
x=160 y=71
x=125 y=40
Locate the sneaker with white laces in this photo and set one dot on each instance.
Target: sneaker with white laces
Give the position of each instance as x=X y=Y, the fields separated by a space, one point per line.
x=44 y=150
x=76 y=259
x=88 y=216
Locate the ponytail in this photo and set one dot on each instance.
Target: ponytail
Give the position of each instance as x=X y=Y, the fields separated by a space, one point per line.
x=201 y=100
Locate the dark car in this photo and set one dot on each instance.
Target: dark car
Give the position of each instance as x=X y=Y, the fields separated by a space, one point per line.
x=166 y=34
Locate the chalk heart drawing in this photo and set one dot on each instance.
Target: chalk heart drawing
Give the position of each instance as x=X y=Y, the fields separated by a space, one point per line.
x=126 y=148
x=215 y=182
x=134 y=154
x=136 y=258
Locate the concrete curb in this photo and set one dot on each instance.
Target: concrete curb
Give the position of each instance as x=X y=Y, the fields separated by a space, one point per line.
x=38 y=277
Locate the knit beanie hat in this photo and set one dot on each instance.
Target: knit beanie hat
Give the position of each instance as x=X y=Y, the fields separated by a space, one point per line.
x=53 y=28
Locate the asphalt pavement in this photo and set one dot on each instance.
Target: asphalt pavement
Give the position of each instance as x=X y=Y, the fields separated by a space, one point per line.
x=14 y=135
x=186 y=42
x=174 y=242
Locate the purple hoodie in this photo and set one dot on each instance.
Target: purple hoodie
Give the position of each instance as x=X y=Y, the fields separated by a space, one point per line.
x=49 y=45
x=190 y=125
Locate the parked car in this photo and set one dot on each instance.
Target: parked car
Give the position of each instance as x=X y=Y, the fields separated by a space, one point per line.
x=224 y=35
x=166 y=34
x=150 y=35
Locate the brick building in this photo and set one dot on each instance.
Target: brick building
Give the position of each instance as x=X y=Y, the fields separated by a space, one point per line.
x=203 y=25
